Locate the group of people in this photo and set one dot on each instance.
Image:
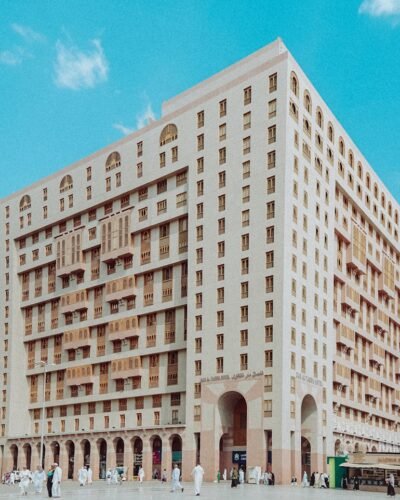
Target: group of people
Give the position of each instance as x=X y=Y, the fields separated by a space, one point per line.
x=317 y=480
x=115 y=476
x=25 y=478
x=85 y=475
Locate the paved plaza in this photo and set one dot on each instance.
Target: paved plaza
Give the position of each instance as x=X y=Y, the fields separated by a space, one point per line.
x=156 y=490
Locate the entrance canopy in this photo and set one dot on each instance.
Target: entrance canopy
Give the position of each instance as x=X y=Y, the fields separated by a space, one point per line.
x=370 y=466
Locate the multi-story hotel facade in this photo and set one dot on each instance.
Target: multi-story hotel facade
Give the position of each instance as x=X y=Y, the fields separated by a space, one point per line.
x=224 y=280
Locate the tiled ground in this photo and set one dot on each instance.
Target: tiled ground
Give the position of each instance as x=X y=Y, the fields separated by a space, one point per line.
x=158 y=491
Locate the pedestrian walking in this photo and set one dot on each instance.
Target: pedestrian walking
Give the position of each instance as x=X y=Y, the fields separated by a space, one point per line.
x=57 y=476
x=197 y=473
x=304 y=482
x=82 y=476
x=175 y=483
x=390 y=486
x=38 y=479
x=49 y=484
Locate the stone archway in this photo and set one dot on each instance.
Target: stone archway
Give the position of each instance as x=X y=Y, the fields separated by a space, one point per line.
x=232 y=412
x=55 y=449
x=14 y=456
x=102 y=447
x=309 y=434
x=176 y=449
x=119 y=447
x=137 y=449
x=85 y=445
x=338 y=448
x=305 y=455
x=28 y=455
x=156 y=448
x=70 y=448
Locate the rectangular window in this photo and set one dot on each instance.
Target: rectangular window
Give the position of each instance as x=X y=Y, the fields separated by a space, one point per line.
x=273 y=82
x=222 y=132
x=222 y=108
x=200 y=142
x=246 y=169
x=222 y=156
x=271 y=163
x=272 y=108
x=246 y=145
x=200 y=119
x=247 y=120
x=272 y=134
x=139 y=148
x=247 y=95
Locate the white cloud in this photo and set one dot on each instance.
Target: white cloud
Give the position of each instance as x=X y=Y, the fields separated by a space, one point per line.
x=27 y=33
x=76 y=69
x=11 y=57
x=124 y=130
x=380 y=8
x=145 y=117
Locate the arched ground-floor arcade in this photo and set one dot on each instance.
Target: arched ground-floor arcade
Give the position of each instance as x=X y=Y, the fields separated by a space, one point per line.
x=154 y=450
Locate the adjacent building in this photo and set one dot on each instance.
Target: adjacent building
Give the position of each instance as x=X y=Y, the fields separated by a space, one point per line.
x=221 y=285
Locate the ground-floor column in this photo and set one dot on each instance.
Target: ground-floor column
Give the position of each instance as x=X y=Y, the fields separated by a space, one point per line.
x=128 y=459
x=94 y=459
x=166 y=459
x=147 y=461
x=209 y=454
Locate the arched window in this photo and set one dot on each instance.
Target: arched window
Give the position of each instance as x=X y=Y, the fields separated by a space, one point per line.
x=66 y=183
x=390 y=209
x=396 y=217
x=113 y=161
x=376 y=193
x=383 y=200
x=320 y=118
x=307 y=101
x=25 y=203
x=359 y=170
x=351 y=158
x=368 y=181
x=341 y=146
x=294 y=84
x=331 y=134
x=169 y=133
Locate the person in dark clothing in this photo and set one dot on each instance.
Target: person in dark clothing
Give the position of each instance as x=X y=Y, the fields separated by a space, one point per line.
x=49 y=482
x=234 y=481
x=390 y=486
x=356 y=484
x=272 y=478
x=312 y=480
x=344 y=482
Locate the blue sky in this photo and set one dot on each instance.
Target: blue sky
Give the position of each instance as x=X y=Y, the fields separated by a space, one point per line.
x=78 y=75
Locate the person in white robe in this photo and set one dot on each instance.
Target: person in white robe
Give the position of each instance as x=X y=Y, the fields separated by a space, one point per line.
x=57 y=476
x=304 y=482
x=38 y=478
x=109 y=476
x=82 y=476
x=89 y=475
x=25 y=479
x=197 y=473
x=317 y=480
x=224 y=475
x=12 y=477
x=115 y=476
x=241 y=476
x=175 y=477
x=141 y=474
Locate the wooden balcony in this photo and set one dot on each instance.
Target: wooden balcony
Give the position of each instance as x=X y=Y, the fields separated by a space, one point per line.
x=381 y=321
x=373 y=388
x=79 y=375
x=341 y=374
x=345 y=336
x=167 y=290
x=384 y=289
x=354 y=261
x=76 y=267
x=74 y=302
x=350 y=298
x=123 y=328
x=126 y=367
x=121 y=288
x=74 y=339
x=377 y=355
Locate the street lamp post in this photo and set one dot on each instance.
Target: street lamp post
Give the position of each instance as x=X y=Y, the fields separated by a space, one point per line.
x=45 y=365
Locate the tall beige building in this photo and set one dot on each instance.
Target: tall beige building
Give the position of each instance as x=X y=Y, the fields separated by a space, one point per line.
x=221 y=285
